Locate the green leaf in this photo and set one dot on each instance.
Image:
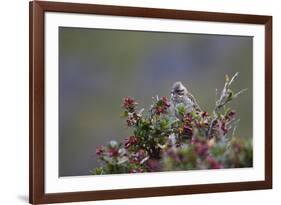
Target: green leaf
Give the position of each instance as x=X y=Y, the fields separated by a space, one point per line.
x=181 y=110
x=125 y=114
x=230 y=95
x=98 y=171
x=164 y=124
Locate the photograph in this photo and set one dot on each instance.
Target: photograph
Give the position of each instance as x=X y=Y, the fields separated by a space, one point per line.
x=146 y=101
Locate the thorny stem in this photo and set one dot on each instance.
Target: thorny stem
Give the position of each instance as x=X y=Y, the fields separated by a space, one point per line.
x=225 y=97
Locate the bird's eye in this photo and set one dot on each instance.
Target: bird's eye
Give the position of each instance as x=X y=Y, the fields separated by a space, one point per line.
x=180 y=90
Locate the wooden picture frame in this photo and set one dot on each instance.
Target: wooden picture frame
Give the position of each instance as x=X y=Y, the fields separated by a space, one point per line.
x=37 y=194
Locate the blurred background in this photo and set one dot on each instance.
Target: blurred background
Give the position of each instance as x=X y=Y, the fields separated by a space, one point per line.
x=98 y=67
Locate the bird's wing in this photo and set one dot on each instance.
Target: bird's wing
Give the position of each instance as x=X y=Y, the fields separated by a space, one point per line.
x=192 y=98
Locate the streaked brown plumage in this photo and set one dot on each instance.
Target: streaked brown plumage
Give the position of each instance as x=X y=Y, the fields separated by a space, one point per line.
x=180 y=94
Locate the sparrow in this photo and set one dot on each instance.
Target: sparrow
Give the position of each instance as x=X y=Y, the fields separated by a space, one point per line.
x=180 y=95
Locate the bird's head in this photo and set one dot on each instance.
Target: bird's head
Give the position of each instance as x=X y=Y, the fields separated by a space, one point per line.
x=178 y=89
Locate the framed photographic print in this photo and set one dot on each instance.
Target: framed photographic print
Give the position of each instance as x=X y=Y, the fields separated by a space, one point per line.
x=139 y=102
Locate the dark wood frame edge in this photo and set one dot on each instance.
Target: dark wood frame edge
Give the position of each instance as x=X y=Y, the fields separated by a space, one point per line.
x=37 y=194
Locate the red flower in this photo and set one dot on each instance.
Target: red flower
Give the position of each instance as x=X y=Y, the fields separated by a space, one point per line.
x=202 y=149
x=230 y=115
x=162 y=106
x=113 y=152
x=159 y=110
x=129 y=103
x=213 y=163
x=187 y=130
x=153 y=165
x=166 y=101
x=204 y=114
x=100 y=150
x=140 y=155
x=223 y=128
x=132 y=140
